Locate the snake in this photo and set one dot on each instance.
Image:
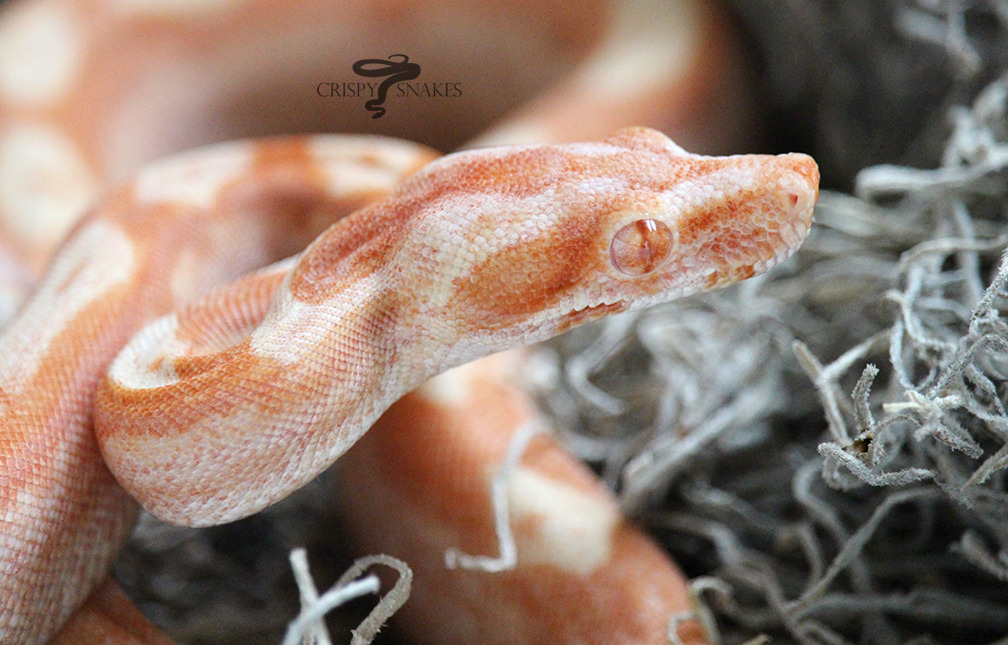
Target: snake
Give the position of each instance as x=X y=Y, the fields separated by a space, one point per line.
x=130 y=373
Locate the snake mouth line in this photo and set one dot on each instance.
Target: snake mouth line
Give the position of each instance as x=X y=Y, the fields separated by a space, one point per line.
x=591 y=312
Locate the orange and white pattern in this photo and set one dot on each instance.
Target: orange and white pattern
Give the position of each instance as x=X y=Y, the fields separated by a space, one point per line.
x=229 y=397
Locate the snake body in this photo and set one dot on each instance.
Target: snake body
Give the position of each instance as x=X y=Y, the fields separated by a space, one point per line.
x=251 y=388
x=461 y=261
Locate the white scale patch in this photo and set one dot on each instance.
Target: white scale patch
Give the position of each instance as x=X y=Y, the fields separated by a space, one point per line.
x=574 y=531
x=41 y=51
x=145 y=361
x=99 y=258
x=173 y=8
x=194 y=179
x=346 y=174
x=650 y=42
x=449 y=388
x=45 y=184
x=290 y=330
x=466 y=242
x=513 y=134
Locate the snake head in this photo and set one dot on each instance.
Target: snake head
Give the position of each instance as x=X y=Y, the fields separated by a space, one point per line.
x=691 y=222
x=548 y=237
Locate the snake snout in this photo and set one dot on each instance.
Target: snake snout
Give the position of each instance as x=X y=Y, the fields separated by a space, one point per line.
x=797 y=181
x=801 y=183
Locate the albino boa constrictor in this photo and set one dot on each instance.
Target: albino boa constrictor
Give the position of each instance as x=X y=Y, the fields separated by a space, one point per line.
x=479 y=251
x=460 y=262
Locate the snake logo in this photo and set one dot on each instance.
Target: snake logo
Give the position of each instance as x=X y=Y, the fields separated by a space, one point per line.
x=396 y=71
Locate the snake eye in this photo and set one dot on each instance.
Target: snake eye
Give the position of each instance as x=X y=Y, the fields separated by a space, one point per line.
x=641 y=247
